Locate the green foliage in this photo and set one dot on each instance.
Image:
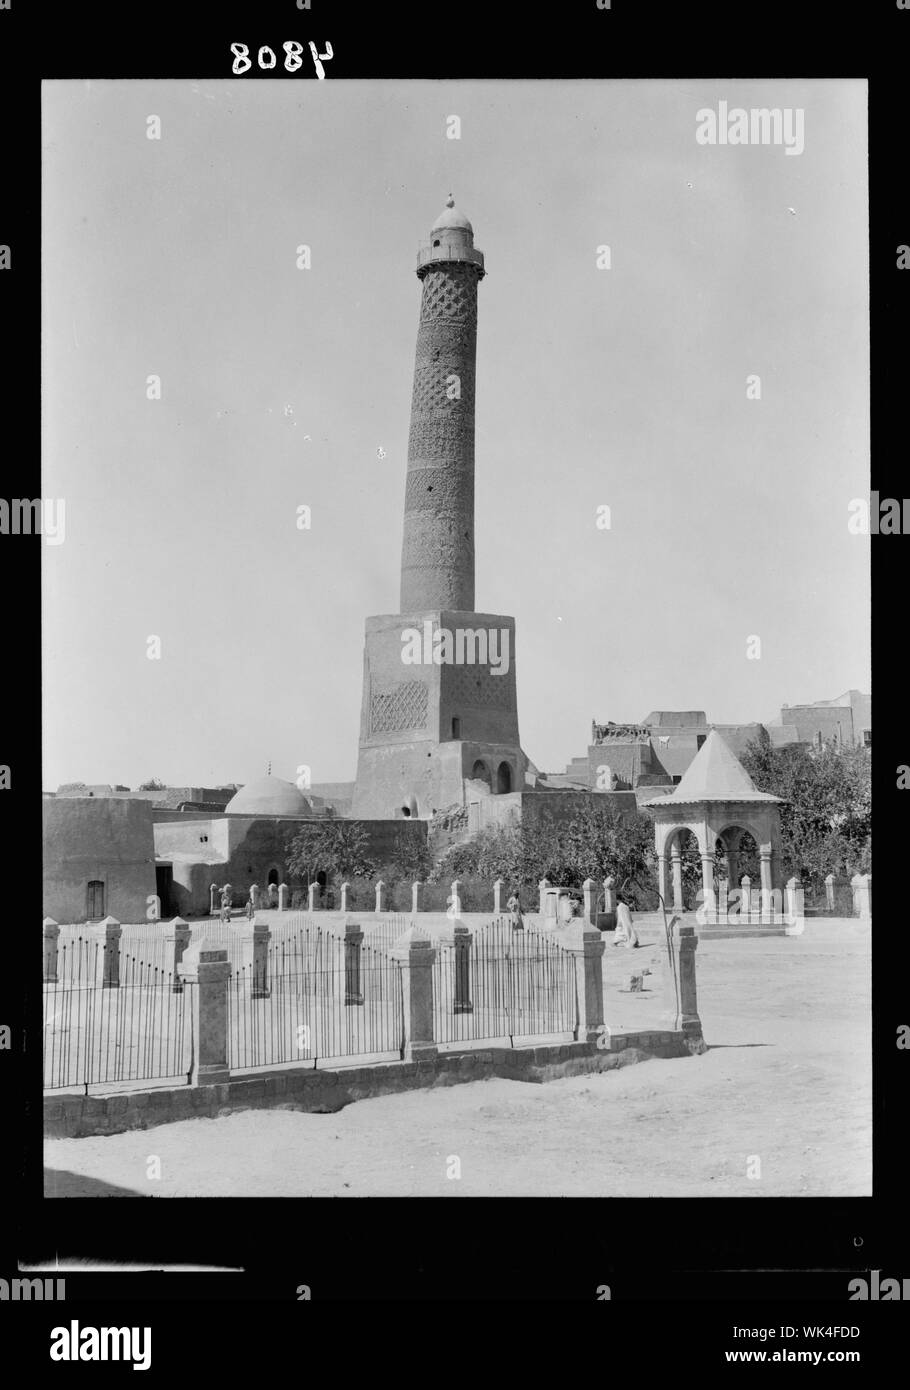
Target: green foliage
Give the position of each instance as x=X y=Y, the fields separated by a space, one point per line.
x=826 y=816
x=337 y=848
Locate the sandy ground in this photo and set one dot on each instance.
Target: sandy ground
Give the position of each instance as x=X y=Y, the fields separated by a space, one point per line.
x=779 y=1106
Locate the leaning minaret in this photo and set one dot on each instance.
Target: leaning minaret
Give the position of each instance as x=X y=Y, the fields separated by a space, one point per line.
x=439 y=724
x=437 y=555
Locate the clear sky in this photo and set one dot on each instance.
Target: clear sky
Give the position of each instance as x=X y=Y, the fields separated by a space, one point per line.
x=624 y=388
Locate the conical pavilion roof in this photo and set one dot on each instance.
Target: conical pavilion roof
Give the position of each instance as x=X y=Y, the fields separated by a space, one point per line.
x=714 y=774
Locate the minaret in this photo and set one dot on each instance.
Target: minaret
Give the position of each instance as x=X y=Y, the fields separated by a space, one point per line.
x=439 y=721
x=437 y=554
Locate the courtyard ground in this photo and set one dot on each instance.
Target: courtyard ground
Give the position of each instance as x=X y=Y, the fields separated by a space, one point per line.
x=786 y=1082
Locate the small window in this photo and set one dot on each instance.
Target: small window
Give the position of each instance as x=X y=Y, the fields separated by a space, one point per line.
x=867 y=738
x=435 y=243
x=699 y=740
x=94 y=905
x=456 y=727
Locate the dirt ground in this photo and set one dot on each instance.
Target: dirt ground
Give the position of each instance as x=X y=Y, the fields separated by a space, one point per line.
x=779 y=1106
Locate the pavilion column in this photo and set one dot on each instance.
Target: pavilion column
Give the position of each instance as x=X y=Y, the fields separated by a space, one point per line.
x=662 y=877
x=733 y=868
x=676 y=873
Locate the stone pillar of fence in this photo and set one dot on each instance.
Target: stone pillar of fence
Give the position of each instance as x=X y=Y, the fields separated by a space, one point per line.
x=261 y=938
x=209 y=969
x=415 y=953
x=345 y=890
x=497 y=897
x=255 y=897
x=415 y=895
x=112 y=934
x=179 y=939
x=609 y=894
x=51 y=933
x=380 y=896
x=680 y=1010
x=767 y=899
x=463 y=940
x=311 y=892
x=455 y=899
x=590 y=901
x=862 y=895
x=543 y=885
x=829 y=892
x=586 y=944
x=723 y=894
x=353 y=940
x=794 y=900
x=213 y=894
x=284 y=895
x=746 y=901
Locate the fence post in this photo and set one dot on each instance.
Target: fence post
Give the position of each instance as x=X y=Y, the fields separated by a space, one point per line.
x=261 y=937
x=312 y=890
x=745 y=907
x=283 y=895
x=112 y=934
x=829 y=892
x=455 y=899
x=180 y=940
x=590 y=903
x=680 y=998
x=209 y=970
x=497 y=897
x=380 y=889
x=353 y=940
x=586 y=944
x=543 y=885
x=609 y=895
x=51 y=933
x=255 y=896
x=463 y=943
x=723 y=892
x=213 y=893
x=415 y=954
x=795 y=914
x=862 y=895
x=345 y=889
x=415 y=895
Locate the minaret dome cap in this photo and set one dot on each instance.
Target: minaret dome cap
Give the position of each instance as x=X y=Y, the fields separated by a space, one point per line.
x=450 y=218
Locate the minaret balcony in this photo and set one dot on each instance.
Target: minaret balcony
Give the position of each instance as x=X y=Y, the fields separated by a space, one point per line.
x=429 y=254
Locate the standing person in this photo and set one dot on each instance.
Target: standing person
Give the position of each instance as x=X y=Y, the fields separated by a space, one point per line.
x=226 y=897
x=514 y=906
x=625 y=934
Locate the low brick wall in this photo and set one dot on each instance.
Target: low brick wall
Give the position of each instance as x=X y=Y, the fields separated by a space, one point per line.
x=324 y=1091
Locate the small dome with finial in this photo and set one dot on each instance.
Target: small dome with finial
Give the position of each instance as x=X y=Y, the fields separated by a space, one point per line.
x=450 y=218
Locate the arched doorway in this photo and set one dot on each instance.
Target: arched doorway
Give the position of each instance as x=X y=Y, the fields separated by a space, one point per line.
x=481 y=773
x=503 y=778
x=273 y=877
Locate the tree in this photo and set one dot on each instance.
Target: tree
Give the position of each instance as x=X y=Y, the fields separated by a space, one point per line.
x=826 y=815
x=154 y=784
x=333 y=847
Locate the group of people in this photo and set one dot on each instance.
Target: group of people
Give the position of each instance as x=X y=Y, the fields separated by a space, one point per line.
x=625 y=933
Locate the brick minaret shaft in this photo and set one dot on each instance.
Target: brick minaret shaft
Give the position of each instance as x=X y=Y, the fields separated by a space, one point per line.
x=437 y=555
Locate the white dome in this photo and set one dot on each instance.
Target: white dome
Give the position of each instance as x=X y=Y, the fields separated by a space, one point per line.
x=269 y=796
x=449 y=218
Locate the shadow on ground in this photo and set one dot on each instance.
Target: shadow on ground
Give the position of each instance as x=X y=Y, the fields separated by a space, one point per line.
x=59 y=1183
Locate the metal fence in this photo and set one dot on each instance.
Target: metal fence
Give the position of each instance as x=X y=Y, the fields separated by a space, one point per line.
x=505 y=984
x=311 y=997
x=97 y=1031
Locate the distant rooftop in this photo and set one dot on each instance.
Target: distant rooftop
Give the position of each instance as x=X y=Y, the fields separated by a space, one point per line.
x=715 y=774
